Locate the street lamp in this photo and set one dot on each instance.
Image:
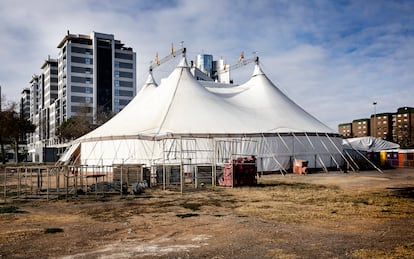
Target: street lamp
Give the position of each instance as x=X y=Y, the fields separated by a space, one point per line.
x=375 y=118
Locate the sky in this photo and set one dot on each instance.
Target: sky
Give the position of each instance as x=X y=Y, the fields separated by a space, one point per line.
x=333 y=58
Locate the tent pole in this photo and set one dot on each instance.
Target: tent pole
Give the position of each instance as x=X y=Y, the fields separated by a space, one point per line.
x=232 y=164
x=181 y=164
x=163 y=165
x=353 y=161
x=273 y=156
x=214 y=163
x=320 y=159
x=283 y=141
x=333 y=158
x=379 y=170
x=326 y=134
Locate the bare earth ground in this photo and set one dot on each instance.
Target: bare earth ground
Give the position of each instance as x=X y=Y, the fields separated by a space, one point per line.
x=335 y=215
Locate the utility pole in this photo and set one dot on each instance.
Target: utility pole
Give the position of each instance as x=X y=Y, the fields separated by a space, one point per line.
x=375 y=118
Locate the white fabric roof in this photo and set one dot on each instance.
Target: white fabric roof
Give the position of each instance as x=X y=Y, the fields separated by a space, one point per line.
x=182 y=105
x=369 y=144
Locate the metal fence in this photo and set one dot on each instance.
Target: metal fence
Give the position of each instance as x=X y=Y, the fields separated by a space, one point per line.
x=63 y=182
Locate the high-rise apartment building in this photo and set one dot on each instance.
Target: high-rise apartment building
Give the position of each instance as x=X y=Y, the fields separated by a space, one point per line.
x=396 y=127
x=381 y=126
x=345 y=129
x=94 y=75
x=360 y=127
x=48 y=93
x=205 y=63
x=34 y=114
x=25 y=104
x=403 y=126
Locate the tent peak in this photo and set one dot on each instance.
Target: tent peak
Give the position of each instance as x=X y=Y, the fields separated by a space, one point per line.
x=150 y=79
x=183 y=62
x=257 y=70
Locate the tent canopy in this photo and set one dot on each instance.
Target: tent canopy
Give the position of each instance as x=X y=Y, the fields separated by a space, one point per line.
x=369 y=144
x=181 y=105
x=207 y=123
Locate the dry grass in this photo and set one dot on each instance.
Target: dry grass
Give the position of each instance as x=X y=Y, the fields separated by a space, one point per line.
x=304 y=202
x=273 y=212
x=402 y=251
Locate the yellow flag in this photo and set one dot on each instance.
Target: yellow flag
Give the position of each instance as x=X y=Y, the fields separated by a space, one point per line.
x=241 y=57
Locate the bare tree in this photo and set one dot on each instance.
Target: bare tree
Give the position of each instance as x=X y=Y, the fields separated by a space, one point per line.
x=82 y=123
x=12 y=129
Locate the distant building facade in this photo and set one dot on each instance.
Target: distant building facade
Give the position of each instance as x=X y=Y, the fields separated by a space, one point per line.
x=25 y=103
x=360 y=127
x=345 y=129
x=396 y=127
x=205 y=63
x=94 y=74
x=381 y=126
x=403 y=126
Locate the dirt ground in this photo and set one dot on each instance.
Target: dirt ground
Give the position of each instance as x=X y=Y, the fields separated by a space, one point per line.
x=335 y=215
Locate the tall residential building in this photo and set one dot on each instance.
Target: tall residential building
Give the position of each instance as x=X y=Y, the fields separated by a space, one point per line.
x=25 y=104
x=97 y=74
x=360 y=128
x=93 y=76
x=403 y=126
x=48 y=93
x=34 y=115
x=381 y=126
x=345 y=129
x=205 y=63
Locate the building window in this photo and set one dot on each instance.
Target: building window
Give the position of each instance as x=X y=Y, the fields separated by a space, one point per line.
x=87 y=61
x=87 y=99
x=117 y=83
x=117 y=64
x=116 y=73
x=116 y=92
x=87 y=90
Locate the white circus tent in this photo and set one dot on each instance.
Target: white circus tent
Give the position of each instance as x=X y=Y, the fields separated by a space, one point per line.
x=185 y=121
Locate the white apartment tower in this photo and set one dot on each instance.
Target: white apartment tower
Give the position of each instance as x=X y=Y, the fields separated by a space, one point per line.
x=96 y=73
x=48 y=93
x=93 y=75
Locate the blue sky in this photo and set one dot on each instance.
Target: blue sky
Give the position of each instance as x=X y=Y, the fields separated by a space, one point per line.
x=325 y=55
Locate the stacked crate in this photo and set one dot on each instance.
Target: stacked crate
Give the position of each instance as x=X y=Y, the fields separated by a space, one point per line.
x=300 y=166
x=241 y=171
